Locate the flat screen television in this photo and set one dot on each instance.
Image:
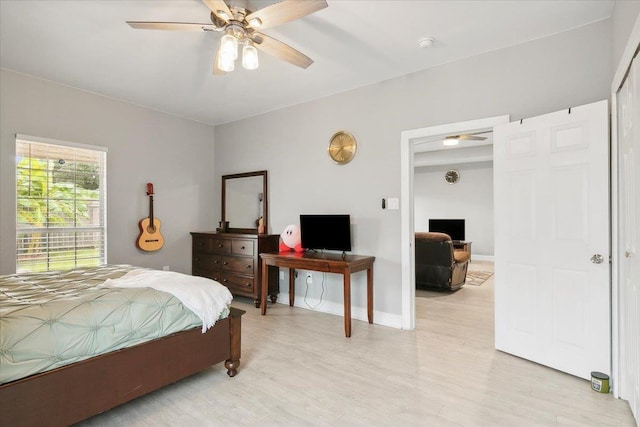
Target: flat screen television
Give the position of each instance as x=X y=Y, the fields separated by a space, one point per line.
x=452 y=227
x=331 y=232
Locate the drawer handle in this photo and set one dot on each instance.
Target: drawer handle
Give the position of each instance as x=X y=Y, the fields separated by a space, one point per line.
x=248 y=285
x=249 y=266
x=216 y=261
x=197 y=259
x=225 y=263
x=220 y=246
x=242 y=248
x=225 y=280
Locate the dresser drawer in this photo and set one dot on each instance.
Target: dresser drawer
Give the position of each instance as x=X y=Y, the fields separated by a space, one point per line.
x=221 y=246
x=242 y=247
x=201 y=244
x=214 y=275
x=206 y=261
x=238 y=283
x=236 y=264
x=232 y=259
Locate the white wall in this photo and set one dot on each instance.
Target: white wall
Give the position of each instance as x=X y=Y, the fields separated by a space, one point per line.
x=175 y=154
x=545 y=75
x=623 y=16
x=470 y=199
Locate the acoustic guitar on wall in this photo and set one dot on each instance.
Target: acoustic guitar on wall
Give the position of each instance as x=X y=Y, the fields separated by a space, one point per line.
x=150 y=238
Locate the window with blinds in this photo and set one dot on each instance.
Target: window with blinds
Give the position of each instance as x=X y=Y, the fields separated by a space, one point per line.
x=60 y=189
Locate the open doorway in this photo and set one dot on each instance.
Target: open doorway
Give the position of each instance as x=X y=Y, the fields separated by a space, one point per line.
x=453 y=191
x=410 y=141
x=453 y=194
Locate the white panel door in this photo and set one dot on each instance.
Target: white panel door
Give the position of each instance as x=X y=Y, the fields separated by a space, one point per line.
x=551 y=196
x=628 y=109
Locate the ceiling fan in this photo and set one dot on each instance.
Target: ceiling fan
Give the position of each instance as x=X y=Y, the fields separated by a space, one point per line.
x=455 y=139
x=240 y=27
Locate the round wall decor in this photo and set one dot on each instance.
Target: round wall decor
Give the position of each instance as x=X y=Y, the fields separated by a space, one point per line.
x=342 y=147
x=452 y=176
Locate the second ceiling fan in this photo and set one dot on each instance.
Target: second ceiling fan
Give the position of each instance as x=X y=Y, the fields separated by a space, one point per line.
x=240 y=27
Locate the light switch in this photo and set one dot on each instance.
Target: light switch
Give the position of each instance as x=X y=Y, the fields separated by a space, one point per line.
x=393 y=203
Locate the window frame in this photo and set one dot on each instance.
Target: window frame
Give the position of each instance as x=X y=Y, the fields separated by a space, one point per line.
x=102 y=198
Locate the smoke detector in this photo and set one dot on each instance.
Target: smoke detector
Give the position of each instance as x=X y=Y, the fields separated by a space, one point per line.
x=426 y=42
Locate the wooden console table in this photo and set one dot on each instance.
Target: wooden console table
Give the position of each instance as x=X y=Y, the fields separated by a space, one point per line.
x=328 y=263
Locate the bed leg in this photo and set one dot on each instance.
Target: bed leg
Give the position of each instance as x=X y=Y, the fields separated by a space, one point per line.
x=235 y=324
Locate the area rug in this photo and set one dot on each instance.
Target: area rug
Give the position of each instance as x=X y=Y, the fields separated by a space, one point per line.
x=477 y=278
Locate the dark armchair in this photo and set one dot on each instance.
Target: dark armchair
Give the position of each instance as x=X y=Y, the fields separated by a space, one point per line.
x=438 y=264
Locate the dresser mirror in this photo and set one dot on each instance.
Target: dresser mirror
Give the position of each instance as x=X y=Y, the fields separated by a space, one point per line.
x=244 y=203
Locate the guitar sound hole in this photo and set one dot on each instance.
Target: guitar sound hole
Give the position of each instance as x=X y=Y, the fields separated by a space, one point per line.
x=151 y=229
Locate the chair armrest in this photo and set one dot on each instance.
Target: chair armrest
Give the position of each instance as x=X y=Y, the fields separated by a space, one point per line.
x=461 y=256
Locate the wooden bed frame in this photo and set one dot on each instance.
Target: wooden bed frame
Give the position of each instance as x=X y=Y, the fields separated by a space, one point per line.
x=72 y=393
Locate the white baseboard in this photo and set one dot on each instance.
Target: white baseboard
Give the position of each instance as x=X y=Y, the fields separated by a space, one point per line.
x=482 y=258
x=331 y=307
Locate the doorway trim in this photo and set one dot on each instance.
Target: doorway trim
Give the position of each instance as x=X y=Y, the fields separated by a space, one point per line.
x=408 y=140
x=633 y=44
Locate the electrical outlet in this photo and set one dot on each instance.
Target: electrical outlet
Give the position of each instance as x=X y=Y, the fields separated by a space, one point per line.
x=165 y=268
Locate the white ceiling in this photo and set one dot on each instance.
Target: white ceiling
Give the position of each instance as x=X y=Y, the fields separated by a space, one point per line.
x=432 y=152
x=87 y=45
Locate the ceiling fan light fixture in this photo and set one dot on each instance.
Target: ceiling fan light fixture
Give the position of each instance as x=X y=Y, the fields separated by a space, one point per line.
x=249 y=56
x=239 y=25
x=229 y=46
x=448 y=141
x=226 y=62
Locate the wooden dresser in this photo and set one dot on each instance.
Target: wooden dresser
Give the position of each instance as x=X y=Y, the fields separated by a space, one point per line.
x=233 y=260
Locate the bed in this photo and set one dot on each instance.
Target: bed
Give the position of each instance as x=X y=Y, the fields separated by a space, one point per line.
x=119 y=353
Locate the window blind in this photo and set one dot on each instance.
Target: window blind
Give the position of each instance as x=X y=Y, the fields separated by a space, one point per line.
x=60 y=194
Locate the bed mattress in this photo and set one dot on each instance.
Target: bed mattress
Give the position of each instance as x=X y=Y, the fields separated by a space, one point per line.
x=52 y=319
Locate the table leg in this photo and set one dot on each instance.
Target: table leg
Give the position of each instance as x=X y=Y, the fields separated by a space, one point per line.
x=292 y=291
x=370 y=294
x=347 y=304
x=265 y=286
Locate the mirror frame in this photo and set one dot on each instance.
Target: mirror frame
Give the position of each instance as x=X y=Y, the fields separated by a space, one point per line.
x=265 y=203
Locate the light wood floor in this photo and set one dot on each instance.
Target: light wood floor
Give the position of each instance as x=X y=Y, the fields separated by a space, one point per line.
x=299 y=369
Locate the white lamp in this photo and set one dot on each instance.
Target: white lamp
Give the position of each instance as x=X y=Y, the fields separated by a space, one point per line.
x=225 y=61
x=229 y=46
x=249 y=56
x=450 y=141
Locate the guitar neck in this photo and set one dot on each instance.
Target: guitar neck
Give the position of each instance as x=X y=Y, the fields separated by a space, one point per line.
x=151 y=210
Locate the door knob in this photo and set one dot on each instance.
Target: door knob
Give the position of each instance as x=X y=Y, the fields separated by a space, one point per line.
x=597 y=259
x=627 y=254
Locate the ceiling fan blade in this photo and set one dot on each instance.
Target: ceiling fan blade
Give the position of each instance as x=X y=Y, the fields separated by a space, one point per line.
x=172 y=26
x=281 y=50
x=472 y=138
x=220 y=9
x=284 y=11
